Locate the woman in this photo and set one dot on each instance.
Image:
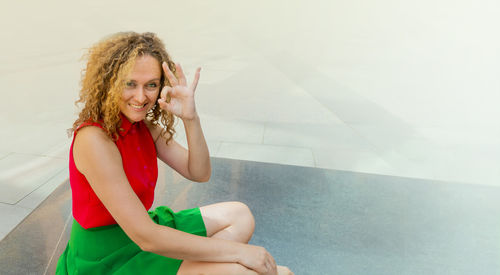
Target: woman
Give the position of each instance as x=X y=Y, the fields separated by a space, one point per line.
x=131 y=91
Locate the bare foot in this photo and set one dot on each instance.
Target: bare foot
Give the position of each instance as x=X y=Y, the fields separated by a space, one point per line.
x=283 y=270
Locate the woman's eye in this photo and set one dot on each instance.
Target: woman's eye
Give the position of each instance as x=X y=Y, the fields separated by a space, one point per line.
x=130 y=84
x=151 y=86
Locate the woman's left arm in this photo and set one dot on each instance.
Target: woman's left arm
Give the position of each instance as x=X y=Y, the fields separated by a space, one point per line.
x=193 y=163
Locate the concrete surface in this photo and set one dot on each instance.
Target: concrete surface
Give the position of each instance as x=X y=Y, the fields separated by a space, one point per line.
x=316 y=221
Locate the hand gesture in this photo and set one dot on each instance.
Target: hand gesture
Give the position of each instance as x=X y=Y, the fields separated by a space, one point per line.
x=181 y=96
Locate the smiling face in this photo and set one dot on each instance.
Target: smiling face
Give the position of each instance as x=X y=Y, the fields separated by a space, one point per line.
x=141 y=88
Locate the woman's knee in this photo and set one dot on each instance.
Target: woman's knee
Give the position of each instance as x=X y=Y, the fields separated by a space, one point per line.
x=242 y=213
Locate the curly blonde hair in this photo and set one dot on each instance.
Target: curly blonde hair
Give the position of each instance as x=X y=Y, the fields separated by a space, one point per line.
x=109 y=62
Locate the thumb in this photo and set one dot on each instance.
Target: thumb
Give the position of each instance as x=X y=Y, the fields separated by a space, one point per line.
x=164 y=104
x=165 y=91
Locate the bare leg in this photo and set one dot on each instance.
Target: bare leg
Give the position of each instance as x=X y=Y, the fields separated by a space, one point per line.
x=205 y=268
x=192 y=268
x=229 y=221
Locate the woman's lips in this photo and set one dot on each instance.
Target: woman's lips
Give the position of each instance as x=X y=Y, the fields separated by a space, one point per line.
x=138 y=108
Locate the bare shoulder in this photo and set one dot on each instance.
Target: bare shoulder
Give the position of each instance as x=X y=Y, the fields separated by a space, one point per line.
x=90 y=132
x=93 y=145
x=90 y=137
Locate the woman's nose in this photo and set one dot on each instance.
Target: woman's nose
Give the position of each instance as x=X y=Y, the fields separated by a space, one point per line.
x=140 y=95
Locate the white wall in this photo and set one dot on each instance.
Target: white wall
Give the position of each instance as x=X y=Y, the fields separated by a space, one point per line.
x=432 y=65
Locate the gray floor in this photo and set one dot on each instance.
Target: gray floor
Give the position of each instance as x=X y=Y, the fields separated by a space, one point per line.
x=316 y=221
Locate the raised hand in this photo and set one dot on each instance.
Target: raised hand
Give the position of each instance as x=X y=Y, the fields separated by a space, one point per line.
x=181 y=96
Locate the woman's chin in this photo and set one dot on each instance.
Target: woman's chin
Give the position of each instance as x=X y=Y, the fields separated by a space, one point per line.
x=134 y=117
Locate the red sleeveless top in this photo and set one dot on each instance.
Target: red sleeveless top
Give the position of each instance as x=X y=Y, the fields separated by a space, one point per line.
x=138 y=153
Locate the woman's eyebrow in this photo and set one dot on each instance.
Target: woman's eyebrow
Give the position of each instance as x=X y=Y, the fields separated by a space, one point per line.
x=154 y=79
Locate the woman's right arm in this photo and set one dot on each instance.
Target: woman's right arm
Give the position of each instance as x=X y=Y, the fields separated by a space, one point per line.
x=97 y=157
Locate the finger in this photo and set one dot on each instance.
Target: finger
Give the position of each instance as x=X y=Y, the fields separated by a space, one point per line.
x=170 y=75
x=163 y=105
x=172 y=92
x=180 y=74
x=195 y=80
x=267 y=268
x=272 y=262
x=166 y=106
x=271 y=259
x=270 y=266
x=164 y=92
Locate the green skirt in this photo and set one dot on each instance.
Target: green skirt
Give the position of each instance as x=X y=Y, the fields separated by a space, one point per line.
x=108 y=250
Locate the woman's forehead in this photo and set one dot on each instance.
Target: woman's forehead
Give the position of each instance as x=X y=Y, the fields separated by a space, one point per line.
x=145 y=68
